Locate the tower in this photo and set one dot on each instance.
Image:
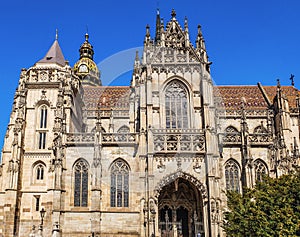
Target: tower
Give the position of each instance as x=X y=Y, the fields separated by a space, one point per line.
x=43 y=111
x=85 y=68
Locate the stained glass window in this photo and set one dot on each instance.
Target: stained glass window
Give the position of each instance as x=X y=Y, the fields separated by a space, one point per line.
x=176 y=103
x=81 y=184
x=260 y=170
x=119 y=190
x=232 y=176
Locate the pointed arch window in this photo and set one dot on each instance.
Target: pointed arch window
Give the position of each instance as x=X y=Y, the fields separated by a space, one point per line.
x=232 y=176
x=260 y=170
x=40 y=172
x=119 y=191
x=42 y=126
x=43 y=116
x=81 y=183
x=176 y=105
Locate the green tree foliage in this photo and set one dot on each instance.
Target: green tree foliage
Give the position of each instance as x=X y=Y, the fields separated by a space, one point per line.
x=271 y=209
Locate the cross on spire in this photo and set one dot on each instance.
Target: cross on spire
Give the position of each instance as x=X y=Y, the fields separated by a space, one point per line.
x=292 y=79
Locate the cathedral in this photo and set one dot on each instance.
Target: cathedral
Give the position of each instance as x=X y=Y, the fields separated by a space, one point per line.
x=151 y=159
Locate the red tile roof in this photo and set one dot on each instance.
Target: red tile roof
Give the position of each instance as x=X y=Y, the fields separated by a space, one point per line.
x=117 y=97
x=107 y=96
x=232 y=97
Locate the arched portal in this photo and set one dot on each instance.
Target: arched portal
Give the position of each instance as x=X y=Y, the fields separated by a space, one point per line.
x=180 y=209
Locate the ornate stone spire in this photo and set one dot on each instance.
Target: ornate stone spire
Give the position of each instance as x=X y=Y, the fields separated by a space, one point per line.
x=147 y=40
x=158 y=28
x=200 y=43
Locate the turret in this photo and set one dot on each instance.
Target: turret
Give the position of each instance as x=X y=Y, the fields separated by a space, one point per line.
x=147 y=41
x=85 y=68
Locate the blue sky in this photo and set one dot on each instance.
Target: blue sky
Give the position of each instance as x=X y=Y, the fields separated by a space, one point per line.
x=247 y=41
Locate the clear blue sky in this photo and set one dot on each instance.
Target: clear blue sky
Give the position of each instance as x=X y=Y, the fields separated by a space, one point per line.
x=247 y=41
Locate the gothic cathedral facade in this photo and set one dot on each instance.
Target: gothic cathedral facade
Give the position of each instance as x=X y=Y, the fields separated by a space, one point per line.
x=150 y=159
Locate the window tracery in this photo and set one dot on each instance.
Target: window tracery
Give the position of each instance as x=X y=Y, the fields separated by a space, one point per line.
x=81 y=183
x=119 y=192
x=40 y=172
x=176 y=105
x=260 y=170
x=232 y=176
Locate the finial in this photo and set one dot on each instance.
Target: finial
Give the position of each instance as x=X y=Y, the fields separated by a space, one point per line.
x=185 y=23
x=173 y=14
x=199 y=30
x=147 y=30
x=56 y=34
x=137 y=55
x=292 y=79
x=86 y=37
x=157 y=11
x=278 y=83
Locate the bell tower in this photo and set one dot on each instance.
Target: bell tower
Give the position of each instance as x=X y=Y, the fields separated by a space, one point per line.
x=34 y=153
x=85 y=68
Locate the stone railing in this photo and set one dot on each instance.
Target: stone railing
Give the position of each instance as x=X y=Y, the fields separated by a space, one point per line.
x=255 y=139
x=260 y=139
x=178 y=140
x=80 y=138
x=231 y=138
x=107 y=113
x=107 y=138
x=118 y=138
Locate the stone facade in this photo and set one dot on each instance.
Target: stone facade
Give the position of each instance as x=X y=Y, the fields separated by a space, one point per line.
x=150 y=159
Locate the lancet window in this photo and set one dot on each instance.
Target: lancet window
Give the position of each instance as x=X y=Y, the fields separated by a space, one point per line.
x=232 y=176
x=42 y=126
x=40 y=172
x=119 y=191
x=81 y=183
x=176 y=105
x=260 y=170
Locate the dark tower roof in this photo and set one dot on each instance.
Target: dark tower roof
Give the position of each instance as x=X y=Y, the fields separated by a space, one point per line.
x=54 y=54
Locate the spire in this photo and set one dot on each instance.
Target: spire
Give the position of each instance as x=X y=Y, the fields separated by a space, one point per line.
x=54 y=54
x=86 y=49
x=200 y=43
x=136 y=62
x=173 y=14
x=147 y=40
x=186 y=26
x=186 y=31
x=158 y=27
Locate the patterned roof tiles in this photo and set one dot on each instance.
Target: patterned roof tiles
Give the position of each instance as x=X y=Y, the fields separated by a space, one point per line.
x=106 y=96
x=231 y=97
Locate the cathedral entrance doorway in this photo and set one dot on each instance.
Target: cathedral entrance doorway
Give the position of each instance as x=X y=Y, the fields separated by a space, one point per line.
x=180 y=210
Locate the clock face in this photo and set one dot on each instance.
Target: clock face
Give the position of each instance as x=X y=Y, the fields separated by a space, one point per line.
x=83 y=68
